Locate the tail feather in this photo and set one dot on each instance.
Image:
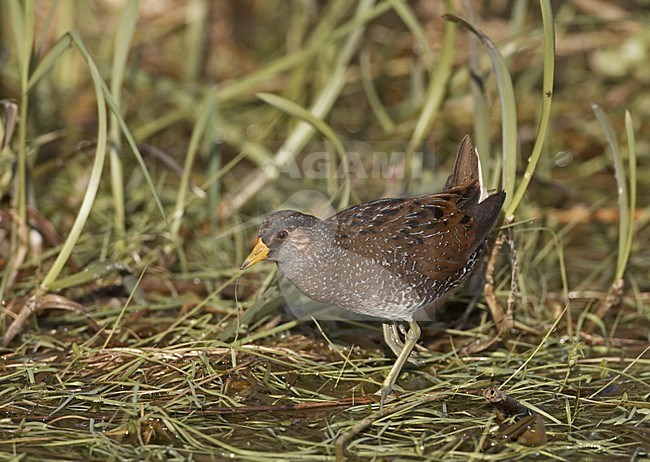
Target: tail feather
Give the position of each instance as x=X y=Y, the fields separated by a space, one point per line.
x=485 y=207
x=487 y=212
x=466 y=167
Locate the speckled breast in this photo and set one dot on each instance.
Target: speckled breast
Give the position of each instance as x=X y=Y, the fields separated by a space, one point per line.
x=368 y=286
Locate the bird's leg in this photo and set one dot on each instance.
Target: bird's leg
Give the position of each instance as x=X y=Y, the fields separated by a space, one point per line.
x=393 y=333
x=392 y=337
x=411 y=339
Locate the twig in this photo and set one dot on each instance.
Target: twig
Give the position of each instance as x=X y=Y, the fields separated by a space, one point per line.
x=503 y=319
x=613 y=299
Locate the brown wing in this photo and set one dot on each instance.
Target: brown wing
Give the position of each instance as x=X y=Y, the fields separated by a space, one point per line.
x=431 y=235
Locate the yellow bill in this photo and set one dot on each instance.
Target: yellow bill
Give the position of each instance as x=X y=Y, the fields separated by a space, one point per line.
x=259 y=253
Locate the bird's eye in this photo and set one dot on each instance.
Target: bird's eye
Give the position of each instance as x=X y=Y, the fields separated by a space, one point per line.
x=282 y=234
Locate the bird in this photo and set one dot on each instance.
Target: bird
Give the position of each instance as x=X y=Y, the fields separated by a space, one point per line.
x=388 y=258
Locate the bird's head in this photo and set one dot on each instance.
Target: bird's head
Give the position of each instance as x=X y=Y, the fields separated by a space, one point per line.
x=283 y=235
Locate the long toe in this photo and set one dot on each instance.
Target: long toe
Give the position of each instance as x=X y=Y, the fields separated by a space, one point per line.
x=393 y=336
x=416 y=359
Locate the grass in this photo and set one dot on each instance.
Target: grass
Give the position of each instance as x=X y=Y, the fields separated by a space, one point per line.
x=129 y=332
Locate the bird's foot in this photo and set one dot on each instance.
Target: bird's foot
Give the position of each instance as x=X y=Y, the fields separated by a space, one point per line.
x=394 y=333
x=403 y=349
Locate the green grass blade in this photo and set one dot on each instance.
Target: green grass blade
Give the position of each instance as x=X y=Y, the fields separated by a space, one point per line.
x=406 y=14
x=51 y=58
x=364 y=14
x=508 y=108
x=631 y=150
x=213 y=155
x=300 y=112
x=48 y=61
x=480 y=115
x=622 y=189
x=122 y=46
x=436 y=89
x=381 y=114
x=95 y=173
x=24 y=36
x=319 y=108
x=547 y=99
x=195 y=38
x=195 y=139
x=134 y=147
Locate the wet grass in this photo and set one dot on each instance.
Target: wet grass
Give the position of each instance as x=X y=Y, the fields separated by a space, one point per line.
x=130 y=333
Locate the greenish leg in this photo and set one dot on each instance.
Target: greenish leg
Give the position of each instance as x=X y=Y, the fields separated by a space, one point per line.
x=412 y=336
x=393 y=333
x=392 y=337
